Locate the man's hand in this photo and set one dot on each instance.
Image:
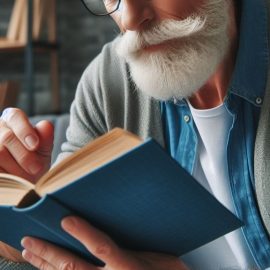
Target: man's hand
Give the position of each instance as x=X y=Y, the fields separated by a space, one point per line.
x=46 y=256
x=25 y=150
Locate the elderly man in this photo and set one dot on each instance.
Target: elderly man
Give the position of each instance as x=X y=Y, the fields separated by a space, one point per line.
x=193 y=75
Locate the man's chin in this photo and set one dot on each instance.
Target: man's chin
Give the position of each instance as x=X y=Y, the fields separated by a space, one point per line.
x=162 y=87
x=177 y=72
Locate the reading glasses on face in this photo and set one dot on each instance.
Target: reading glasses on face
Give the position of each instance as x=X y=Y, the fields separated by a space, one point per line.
x=101 y=7
x=107 y=7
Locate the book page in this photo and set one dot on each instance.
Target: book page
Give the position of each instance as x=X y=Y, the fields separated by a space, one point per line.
x=90 y=157
x=13 y=189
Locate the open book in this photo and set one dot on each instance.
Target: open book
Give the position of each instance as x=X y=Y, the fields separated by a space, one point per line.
x=20 y=192
x=132 y=190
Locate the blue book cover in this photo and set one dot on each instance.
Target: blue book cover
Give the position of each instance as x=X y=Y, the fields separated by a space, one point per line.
x=143 y=199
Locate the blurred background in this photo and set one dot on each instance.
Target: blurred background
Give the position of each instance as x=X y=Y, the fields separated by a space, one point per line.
x=79 y=38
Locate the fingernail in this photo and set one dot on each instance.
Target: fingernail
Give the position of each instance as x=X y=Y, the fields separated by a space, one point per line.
x=34 y=168
x=27 y=255
x=5 y=113
x=26 y=243
x=68 y=223
x=31 y=141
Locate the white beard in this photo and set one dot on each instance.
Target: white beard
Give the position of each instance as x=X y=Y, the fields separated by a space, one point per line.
x=184 y=66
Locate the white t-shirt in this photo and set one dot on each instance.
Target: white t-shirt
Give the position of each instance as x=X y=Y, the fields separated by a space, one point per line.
x=211 y=170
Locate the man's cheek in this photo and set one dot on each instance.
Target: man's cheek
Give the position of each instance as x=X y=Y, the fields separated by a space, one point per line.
x=178 y=9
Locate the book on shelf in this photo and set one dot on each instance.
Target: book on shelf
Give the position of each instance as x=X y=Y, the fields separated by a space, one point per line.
x=129 y=188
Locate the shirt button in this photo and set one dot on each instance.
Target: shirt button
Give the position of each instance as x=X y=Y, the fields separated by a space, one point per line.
x=259 y=101
x=186 y=118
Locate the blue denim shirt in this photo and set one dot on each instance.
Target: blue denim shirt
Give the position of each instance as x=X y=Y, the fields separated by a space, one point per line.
x=243 y=101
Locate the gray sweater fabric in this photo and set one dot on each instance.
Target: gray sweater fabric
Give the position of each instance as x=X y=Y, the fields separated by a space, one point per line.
x=106 y=98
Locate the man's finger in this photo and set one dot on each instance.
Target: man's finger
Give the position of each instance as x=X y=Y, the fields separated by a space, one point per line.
x=18 y=122
x=98 y=243
x=45 y=253
x=45 y=131
x=9 y=164
x=10 y=253
x=37 y=261
x=28 y=160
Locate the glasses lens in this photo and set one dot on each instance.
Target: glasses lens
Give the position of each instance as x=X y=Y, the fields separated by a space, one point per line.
x=102 y=7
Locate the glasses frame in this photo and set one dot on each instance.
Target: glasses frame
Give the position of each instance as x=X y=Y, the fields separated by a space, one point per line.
x=105 y=14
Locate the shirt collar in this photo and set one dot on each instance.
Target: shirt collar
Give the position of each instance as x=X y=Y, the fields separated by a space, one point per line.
x=250 y=73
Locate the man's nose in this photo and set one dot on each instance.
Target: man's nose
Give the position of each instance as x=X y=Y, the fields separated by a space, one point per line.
x=136 y=14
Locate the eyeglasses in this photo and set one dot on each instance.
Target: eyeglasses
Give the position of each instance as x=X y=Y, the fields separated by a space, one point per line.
x=101 y=7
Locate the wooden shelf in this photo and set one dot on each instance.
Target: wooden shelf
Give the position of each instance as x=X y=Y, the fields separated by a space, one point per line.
x=10 y=45
x=29 y=18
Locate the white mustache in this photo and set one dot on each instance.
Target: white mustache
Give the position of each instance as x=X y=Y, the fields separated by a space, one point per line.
x=164 y=31
x=206 y=23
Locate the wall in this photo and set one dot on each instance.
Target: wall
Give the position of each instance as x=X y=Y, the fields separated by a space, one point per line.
x=81 y=37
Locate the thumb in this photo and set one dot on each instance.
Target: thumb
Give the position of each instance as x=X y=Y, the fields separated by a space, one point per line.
x=45 y=131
